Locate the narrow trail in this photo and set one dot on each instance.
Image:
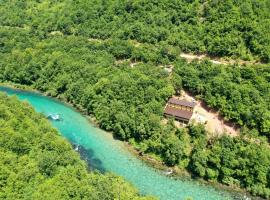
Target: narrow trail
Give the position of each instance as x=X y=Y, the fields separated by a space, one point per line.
x=216 y=60
x=188 y=56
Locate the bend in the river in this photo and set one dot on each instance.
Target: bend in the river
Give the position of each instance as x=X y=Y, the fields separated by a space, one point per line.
x=106 y=154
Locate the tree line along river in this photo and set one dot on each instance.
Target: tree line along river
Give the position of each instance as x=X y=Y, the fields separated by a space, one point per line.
x=106 y=154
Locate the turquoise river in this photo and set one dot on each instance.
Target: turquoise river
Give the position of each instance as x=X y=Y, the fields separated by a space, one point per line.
x=106 y=154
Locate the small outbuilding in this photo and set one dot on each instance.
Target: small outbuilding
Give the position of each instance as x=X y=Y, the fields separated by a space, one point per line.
x=180 y=109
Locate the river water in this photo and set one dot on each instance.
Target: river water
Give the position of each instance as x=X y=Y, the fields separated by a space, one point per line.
x=104 y=153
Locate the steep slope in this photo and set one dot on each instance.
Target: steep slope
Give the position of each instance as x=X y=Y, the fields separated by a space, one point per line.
x=238 y=28
x=37 y=163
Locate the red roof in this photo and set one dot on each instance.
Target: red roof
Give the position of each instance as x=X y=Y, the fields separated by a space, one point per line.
x=184 y=114
x=181 y=102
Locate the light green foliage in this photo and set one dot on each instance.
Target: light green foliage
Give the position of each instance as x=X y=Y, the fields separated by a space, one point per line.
x=37 y=163
x=81 y=51
x=240 y=93
x=235 y=162
x=238 y=28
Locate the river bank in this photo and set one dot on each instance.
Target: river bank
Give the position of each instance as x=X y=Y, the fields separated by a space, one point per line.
x=185 y=175
x=178 y=173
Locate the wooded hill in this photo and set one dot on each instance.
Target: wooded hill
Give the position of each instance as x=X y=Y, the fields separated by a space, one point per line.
x=37 y=163
x=237 y=28
x=100 y=76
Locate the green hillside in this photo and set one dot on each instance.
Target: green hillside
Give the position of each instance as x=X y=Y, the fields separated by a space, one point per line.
x=37 y=163
x=237 y=28
x=109 y=58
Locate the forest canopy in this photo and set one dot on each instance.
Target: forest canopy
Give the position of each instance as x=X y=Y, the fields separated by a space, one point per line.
x=233 y=28
x=97 y=77
x=37 y=163
x=110 y=59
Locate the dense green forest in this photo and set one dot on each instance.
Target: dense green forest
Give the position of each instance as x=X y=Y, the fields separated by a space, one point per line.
x=83 y=52
x=238 y=162
x=238 y=28
x=240 y=93
x=96 y=76
x=37 y=163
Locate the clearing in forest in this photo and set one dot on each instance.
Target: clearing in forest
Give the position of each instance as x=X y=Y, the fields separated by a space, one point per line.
x=214 y=123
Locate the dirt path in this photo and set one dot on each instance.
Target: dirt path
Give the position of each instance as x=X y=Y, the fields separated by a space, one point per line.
x=16 y=27
x=216 y=60
x=190 y=57
x=132 y=64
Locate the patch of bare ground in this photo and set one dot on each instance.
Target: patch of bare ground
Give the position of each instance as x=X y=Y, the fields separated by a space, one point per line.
x=96 y=40
x=167 y=68
x=24 y=27
x=216 y=60
x=214 y=122
x=135 y=43
x=54 y=33
x=119 y=62
x=131 y=64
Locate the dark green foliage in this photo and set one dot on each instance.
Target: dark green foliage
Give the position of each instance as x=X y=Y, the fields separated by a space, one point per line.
x=216 y=27
x=98 y=78
x=128 y=101
x=240 y=93
x=235 y=162
x=81 y=51
x=37 y=163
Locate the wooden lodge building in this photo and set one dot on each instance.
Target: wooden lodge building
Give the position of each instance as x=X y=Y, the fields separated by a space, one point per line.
x=181 y=110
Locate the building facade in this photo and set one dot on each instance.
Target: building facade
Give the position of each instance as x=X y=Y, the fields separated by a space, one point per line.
x=180 y=109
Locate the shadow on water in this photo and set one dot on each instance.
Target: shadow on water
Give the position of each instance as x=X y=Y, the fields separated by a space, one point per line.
x=88 y=155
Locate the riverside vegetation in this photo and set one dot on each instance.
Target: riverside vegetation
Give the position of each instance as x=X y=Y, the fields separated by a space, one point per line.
x=37 y=163
x=48 y=48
